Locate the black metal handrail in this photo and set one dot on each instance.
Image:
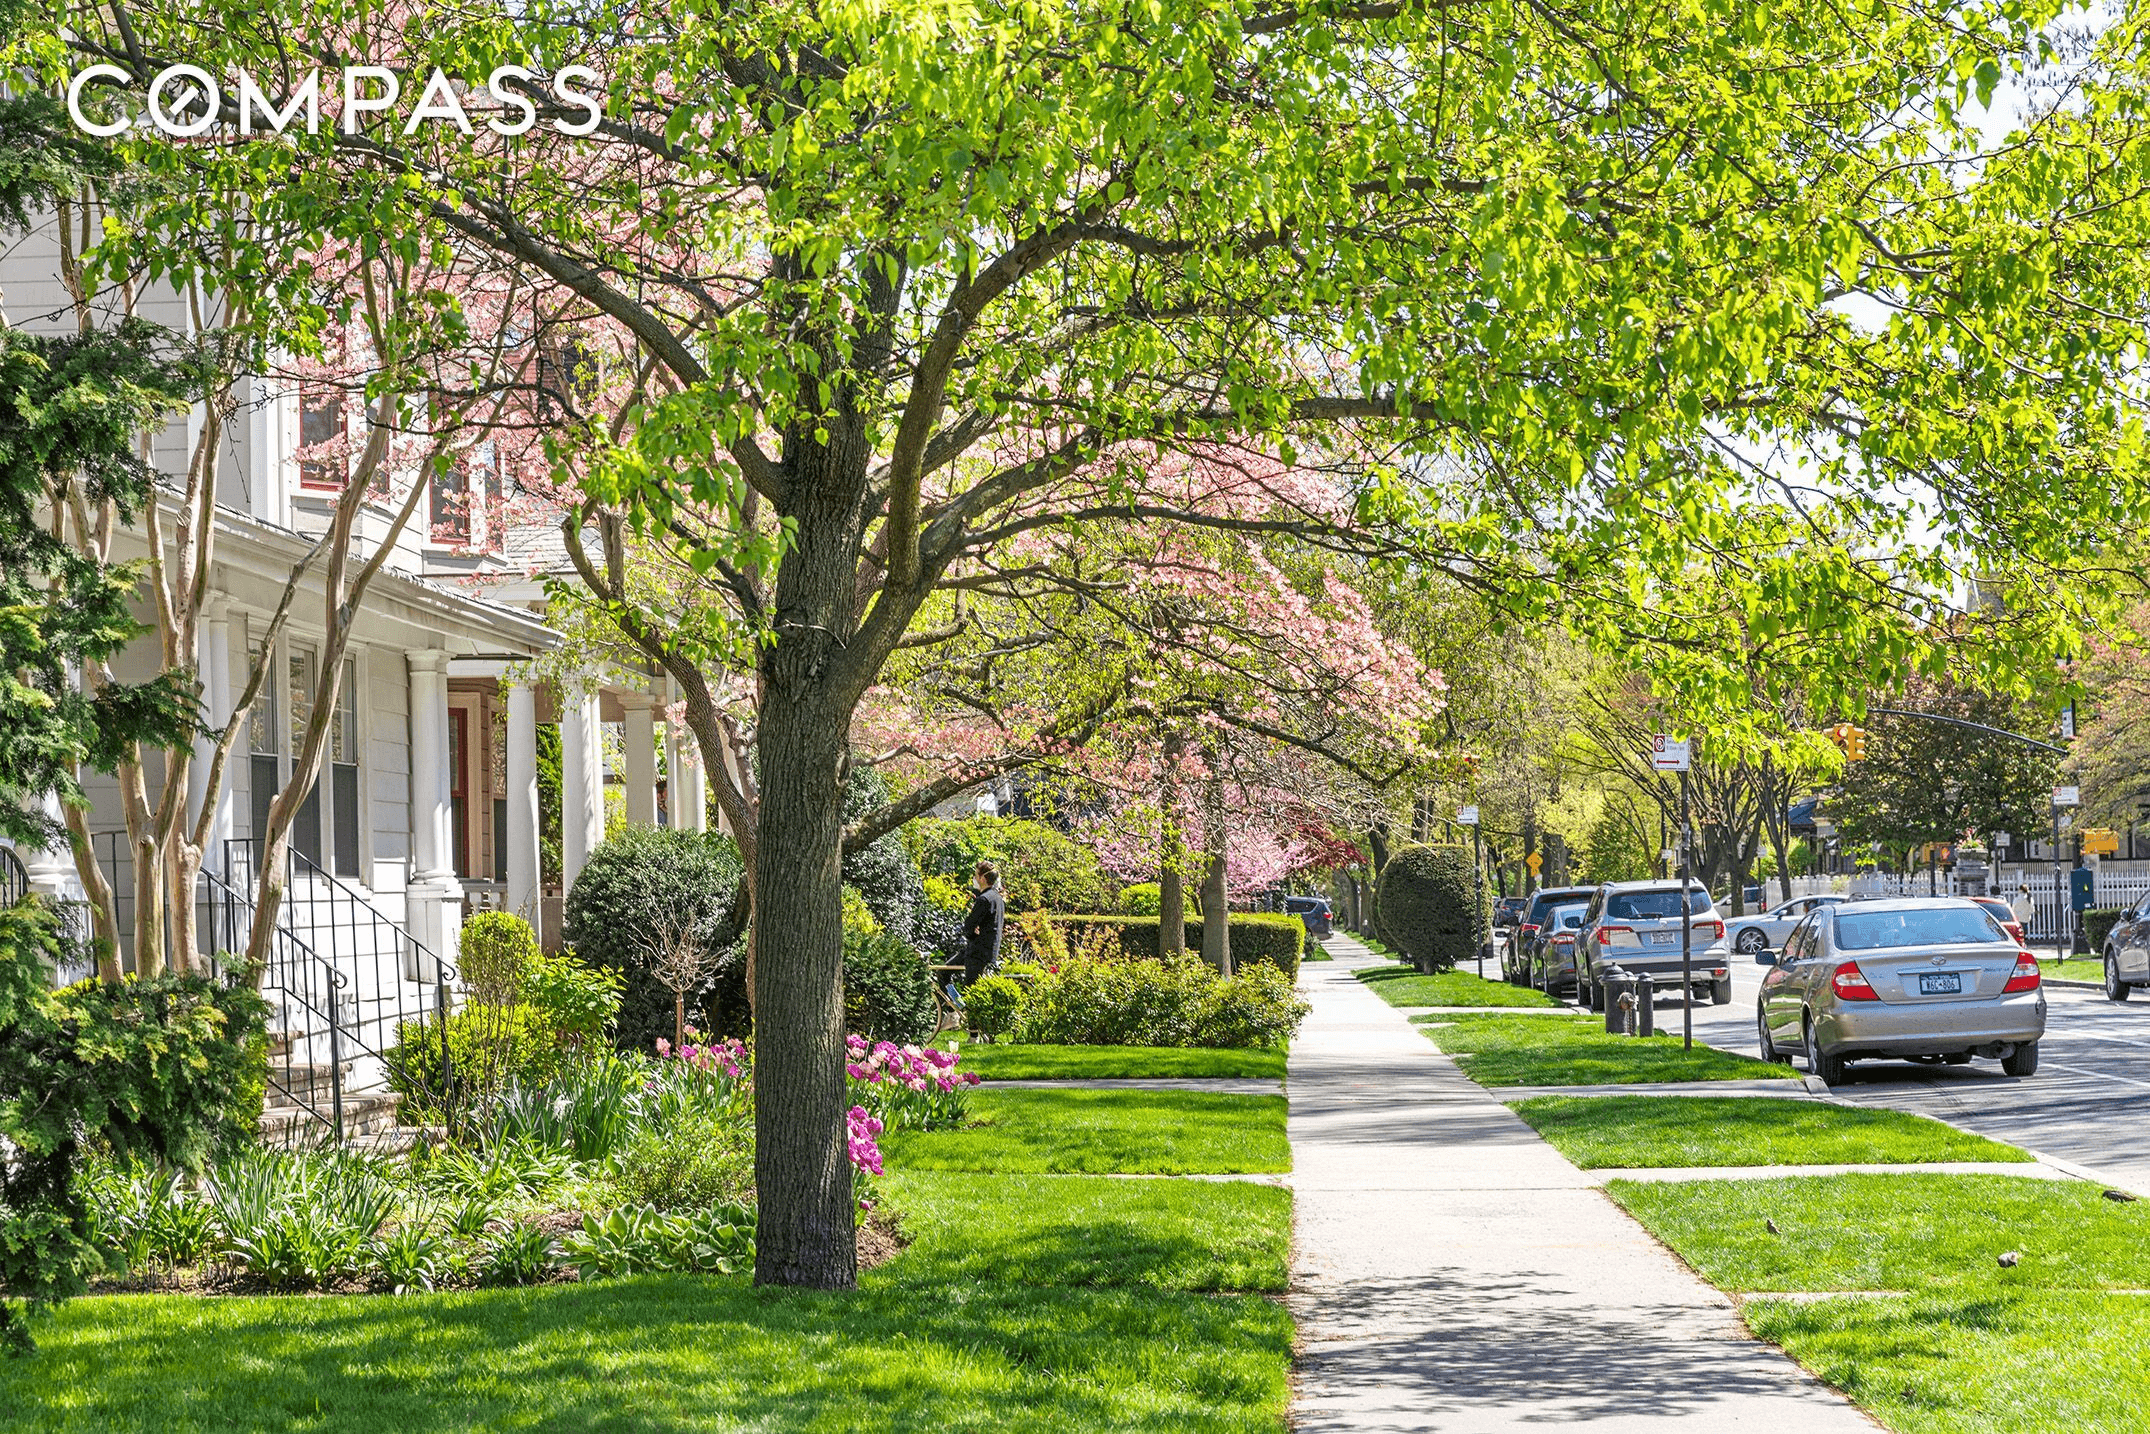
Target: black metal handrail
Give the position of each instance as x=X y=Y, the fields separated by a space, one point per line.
x=297 y=980
x=14 y=877
x=389 y=966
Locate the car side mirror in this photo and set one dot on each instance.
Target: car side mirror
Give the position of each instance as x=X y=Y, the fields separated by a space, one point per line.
x=1765 y=958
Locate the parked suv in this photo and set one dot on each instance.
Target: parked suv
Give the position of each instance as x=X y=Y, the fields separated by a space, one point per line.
x=1313 y=913
x=1516 y=955
x=1635 y=926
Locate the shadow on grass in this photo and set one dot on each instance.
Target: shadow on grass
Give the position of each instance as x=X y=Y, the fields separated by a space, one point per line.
x=1536 y=1050
x=1597 y=1132
x=1404 y=986
x=1118 y=1062
x=661 y=1353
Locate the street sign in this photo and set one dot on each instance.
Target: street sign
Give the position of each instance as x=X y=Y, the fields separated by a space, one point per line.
x=2000 y=838
x=1669 y=754
x=2067 y=723
x=2101 y=841
x=2067 y=796
x=1534 y=861
x=1468 y=817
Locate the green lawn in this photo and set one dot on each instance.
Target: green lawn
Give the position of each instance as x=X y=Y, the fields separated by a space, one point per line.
x=1096 y=1132
x=1095 y=1230
x=1115 y=1062
x=1601 y=1132
x=1403 y=986
x=1023 y=1302
x=1970 y=1364
x=1540 y=1050
x=1898 y=1232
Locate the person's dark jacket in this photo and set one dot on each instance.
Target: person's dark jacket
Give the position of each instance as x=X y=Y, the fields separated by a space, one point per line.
x=981 y=931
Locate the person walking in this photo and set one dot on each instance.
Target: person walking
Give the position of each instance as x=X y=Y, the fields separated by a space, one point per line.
x=981 y=928
x=2023 y=907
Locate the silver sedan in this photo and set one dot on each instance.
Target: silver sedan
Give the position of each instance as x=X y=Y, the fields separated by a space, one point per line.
x=1760 y=931
x=1922 y=978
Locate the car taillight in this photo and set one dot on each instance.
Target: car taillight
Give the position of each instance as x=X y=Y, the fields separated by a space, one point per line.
x=1563 y=940
x=1530 y=928
x=1717 y=930
x=1850 y=984
x=2025 y=976
x=1616 y=936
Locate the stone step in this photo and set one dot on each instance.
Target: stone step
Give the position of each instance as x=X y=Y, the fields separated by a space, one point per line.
x=293 y=1081
x=363 y=1115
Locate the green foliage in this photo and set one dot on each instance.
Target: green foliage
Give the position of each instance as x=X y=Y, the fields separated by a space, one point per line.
x=573 y=997
x=1432 y=907
x=518 y=1255
x=1258 y=937
x=990 y=1005
x=637 y=880
x=1139 y=1002
x=169 y=1071
x=495 y=951
x=75 y=406
x=644 y=1241
x=1930 y=782
x=888 y=989
x=883 y=872
x=488 y=1049
x=1040 y=869
x=945 y=894
x=2098 y=923
x=1141 y=898
x=703 y=1159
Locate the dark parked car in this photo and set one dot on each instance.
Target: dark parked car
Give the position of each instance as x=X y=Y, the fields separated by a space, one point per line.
x=1549 y=963
x=1509 y=910
x=1313 y=912
x=1515 y=955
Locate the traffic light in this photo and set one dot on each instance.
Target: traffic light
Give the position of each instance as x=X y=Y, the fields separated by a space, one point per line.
x=1851 y=739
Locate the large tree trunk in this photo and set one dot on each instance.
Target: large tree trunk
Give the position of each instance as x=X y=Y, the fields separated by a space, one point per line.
x=1171 y=866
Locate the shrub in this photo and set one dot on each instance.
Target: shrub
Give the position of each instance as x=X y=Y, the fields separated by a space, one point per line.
x=1258 y=938
x=487 y=1048
x=1432 y=908
x=495 y=951
x=576 y=999
x=1158 y=1003
x=701 y=1160
x=990 y=1006
x=2098 y=923
x=884 y=873
x=1144 y=898
x=169 y=1070
x=1040 y=869
x=637 y=878
x=888 y=990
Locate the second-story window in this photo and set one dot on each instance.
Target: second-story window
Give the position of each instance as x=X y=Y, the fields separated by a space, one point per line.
x=320 y=422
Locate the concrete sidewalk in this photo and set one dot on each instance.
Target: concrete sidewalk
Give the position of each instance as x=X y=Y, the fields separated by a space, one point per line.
x=1452 y=1272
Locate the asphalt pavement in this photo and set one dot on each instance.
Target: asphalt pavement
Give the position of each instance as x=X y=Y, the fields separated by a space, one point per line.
x=2089 y=1103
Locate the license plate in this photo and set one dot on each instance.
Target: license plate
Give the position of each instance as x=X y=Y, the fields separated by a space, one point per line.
x=1947 y=983
x=1665 y=938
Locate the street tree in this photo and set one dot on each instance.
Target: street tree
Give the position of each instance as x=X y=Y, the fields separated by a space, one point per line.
x=909 y=282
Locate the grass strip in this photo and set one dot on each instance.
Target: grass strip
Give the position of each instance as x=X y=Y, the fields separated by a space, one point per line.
x=1537 y=1050
x=2050 y=1363
x=1094 y=1230
x=661 y=1353
x=1097 y=1132
x=1917 y=1232
x=1404 y=986
x=1642 y=1131
x=1118 y=1062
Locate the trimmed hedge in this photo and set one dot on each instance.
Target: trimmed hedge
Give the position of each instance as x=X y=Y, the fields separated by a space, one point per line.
x=2098 y=923
x=1263 y=936
x=1432 y=907
x=1040 y=869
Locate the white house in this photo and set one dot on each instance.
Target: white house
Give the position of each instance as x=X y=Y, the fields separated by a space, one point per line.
x=427 y=803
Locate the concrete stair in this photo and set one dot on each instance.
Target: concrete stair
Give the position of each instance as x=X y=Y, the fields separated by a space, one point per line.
x=285 y=1120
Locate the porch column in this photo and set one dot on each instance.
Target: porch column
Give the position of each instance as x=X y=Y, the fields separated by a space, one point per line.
x=582 y=781
x=522 y=825
x=639 y=735
x=686 y=783
x=435 y=895
x=51 y=869
x=214 y=661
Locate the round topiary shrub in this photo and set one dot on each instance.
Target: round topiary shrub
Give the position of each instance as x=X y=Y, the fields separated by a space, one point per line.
x=888 y=989
x=1144 y=898
x=1431 y=908
x=639 y=882
x=494 y=953
x=991 y=1005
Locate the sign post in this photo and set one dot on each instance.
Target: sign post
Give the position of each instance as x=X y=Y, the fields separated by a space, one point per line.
x=1675 y=754
x=1468 y=817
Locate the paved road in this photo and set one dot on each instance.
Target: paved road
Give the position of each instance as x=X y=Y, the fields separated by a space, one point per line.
x=2089 y=1102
